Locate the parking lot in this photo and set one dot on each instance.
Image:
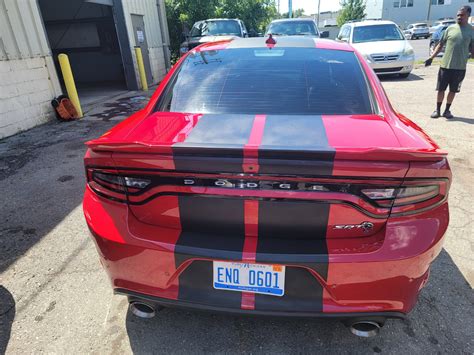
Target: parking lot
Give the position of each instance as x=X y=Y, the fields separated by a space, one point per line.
x=56 y=298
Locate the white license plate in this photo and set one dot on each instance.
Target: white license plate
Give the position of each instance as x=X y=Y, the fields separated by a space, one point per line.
x=255 y=278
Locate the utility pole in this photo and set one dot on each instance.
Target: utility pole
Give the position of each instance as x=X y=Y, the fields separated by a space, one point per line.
x=429 y=11
x=319 y=5
x=278 y=6
x=290 y=10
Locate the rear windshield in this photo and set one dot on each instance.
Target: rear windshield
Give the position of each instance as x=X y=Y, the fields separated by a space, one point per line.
x=376 y=33
x=269 y=81
x=421 y=25
x=292 y=28
x=215 y=28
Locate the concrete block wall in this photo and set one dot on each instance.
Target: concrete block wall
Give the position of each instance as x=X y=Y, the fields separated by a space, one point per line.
x=26 y=91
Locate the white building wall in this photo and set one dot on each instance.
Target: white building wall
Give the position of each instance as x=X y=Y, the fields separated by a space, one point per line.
x=403 y=16
x=151 y=18
x=374 y=9
x=28 y=80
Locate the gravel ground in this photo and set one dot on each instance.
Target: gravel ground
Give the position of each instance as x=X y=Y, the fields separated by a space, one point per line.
x=55 y=297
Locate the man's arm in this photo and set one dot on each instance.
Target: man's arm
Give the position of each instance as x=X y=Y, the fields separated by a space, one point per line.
x=438 y=48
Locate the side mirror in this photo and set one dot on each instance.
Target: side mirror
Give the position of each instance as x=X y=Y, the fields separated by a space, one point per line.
x=324 y=34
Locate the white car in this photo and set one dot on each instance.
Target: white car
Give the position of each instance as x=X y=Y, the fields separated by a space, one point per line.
x=382 y=43
x=417 y=30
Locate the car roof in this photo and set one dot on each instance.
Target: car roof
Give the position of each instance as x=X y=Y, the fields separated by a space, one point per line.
x=418 y=23
x=371 y=23
x=219 y=19
x=281 y=42
x=299 y=19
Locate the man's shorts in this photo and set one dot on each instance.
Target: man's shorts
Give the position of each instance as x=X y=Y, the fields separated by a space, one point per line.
x=451 y=77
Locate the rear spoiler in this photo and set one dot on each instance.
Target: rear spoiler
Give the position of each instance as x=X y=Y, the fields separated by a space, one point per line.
x=374 y=154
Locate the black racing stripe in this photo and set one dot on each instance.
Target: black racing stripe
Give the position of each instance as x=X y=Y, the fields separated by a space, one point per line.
x=294 y=233
x=295 y=144
x=211 y=228
x=196 y=285
x=215 y=144
x=287 y=227
x=303 y=293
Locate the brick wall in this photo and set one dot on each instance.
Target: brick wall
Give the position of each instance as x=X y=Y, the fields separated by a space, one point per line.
x=26 y=91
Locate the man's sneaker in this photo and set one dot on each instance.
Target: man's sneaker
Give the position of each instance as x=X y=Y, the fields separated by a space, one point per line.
x=448 y=114
x=435 y=114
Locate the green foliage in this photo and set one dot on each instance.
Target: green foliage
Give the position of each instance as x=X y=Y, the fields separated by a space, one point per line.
x=351 y=10
x=182 y=14
x=296 y=13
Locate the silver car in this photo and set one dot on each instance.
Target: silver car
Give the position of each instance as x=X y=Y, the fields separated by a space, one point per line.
x=417 y=30
x=382 y=44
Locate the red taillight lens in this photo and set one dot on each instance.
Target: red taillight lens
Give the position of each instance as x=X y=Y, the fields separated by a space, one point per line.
x=110 y=184
x=412 y=197
x=415 y=194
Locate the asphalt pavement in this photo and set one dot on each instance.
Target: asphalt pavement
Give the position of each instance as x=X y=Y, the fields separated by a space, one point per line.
x=55 y=296
x=421 y=48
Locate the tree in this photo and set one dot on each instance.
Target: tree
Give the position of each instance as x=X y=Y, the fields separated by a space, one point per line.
x=295 y=14
x=182 y=14
x=351 y=10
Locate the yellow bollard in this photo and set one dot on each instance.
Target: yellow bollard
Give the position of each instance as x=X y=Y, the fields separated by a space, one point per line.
x=141 y=68
x=69 y=81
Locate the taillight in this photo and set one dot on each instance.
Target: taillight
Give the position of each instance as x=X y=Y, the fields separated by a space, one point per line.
x=110 y=184
x=411 y=197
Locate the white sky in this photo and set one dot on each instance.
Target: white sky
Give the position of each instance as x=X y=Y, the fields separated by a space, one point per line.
x=310 y=6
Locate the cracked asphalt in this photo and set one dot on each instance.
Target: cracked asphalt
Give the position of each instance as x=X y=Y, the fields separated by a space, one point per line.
x=55 y=297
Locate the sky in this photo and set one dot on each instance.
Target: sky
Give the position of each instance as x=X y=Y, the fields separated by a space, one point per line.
x=310 y=6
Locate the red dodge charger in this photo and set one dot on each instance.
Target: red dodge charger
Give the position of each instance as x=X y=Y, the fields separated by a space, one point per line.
x=269 y=177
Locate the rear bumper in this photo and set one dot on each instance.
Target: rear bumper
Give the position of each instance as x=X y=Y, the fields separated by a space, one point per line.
x=134 y=296
x=385 y=276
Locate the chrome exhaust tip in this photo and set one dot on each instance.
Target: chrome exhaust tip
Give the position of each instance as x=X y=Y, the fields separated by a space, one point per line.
x=365 y=329
x=142 y=310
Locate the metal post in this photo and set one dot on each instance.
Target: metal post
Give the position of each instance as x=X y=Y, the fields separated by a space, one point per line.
x=141 y=68
x=290 y=9
x=69 y=82
x=429 y=11
x=319 y=5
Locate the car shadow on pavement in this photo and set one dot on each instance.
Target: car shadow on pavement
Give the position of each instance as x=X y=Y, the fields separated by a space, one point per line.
x=395 y=77
x=441 y=322
x=7 y=314
x=42 y=177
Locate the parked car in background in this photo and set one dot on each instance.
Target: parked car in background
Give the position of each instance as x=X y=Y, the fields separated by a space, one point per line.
x=295 y=27
x=435 y=38
x=212 y=30
x=441 y=23
x=382 y=44
x=269 y=177
x=417 y=30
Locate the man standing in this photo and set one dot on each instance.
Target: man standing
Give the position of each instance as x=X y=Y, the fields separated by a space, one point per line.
x=459 y=41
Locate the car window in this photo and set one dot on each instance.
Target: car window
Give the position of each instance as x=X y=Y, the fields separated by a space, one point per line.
x=293 y=28
x=214 y=28
x=269 y=81
x=376 y=33
x=344 y=33
x=410 y=27
x=421 y=25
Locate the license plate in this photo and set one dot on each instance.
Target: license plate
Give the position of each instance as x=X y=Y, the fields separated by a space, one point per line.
x=255 y=278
